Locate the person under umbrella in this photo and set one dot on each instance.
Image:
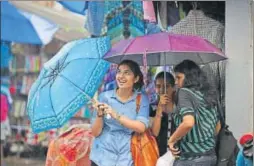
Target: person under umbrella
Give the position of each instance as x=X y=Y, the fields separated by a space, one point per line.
x=113 y=135
x=195 y=118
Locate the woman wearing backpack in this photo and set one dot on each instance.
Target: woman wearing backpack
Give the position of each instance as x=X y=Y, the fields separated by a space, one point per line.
x=112 y=144
x=195 y=118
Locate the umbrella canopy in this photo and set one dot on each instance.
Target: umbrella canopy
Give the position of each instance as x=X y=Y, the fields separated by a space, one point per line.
x=67 y=82
x=21 y=27
x=165 y=49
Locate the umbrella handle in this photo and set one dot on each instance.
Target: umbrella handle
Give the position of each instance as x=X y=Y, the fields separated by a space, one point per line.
x=165 y=78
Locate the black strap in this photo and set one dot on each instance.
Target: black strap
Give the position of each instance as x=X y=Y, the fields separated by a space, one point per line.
x=221 y=114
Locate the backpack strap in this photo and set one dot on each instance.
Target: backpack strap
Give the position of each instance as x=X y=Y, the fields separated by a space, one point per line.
x=138 y=102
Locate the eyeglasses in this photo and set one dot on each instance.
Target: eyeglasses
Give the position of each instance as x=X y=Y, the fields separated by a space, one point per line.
x=124 y=73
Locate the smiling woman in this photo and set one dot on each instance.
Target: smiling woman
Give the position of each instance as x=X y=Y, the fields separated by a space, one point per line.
x=113 y=135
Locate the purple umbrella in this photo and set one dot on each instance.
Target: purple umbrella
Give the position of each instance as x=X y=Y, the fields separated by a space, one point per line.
x=165 y=49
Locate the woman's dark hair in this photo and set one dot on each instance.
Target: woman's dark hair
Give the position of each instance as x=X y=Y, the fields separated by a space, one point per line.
x=169 y=78
x=136 y=71
x=195 y=79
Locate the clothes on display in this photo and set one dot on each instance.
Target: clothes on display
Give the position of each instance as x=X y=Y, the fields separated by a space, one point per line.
x=27 y=83
x=149 y=14
x=27 y=64
x=119 y=20
x=5 y=91
x=5 y=129
x=4 y=108
x=19 y=108
x=95 y=17
x=5 y=80
x=6 y=54
x=168 y=14
x=123 y=19
x=197 y=23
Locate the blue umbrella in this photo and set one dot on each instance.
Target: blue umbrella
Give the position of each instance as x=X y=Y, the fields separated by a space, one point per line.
x=67 y=82
x=75 y=6
x=23 y=27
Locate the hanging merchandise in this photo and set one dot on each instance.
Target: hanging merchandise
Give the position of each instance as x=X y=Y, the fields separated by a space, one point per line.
x=149 y=14
x=5 y=80
x=32 y=64
x=75 y=6
x=27 y=83
x=123 y=19
x=5 y=90
x=167 y=13
x=19 y=108
x=117 y=19
x=95 y=17
x=4 y=108
x=173 y=15
x=5 y=129
x=6 y=54
x=5 y=71
x=197 y=23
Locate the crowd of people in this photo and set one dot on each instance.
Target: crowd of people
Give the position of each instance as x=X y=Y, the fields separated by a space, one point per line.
x=185 y=122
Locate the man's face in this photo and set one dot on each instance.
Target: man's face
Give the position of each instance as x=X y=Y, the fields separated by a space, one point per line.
x=160 y=87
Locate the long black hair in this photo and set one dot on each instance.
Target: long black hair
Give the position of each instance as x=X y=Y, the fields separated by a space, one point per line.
x=136 y=71
x=195 y=79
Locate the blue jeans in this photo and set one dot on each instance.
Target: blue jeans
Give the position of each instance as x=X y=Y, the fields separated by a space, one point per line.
x=200 y=161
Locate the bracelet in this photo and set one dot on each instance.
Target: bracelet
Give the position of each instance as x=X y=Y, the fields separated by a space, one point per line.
x=118 y=116
x=159 y=116
x=98 y=115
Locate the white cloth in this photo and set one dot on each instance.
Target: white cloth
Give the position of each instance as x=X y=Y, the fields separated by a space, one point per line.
x=166 y=160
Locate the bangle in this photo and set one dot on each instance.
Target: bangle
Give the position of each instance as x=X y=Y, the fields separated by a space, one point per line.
x=159 y=115
x=118 y=116
x=98 y=115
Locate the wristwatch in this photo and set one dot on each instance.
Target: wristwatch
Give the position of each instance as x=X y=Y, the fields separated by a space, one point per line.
x=100 y=115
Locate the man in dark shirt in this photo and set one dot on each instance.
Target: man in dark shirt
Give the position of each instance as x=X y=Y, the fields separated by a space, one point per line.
x=161 y=116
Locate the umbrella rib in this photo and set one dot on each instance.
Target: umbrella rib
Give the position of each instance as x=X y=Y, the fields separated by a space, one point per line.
x=132 y=41
x=51 y=104
x=78 y=88
x=202 y=62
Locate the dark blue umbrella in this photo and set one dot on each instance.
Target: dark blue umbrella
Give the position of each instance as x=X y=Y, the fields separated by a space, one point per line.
x=67 y=82
x=75 y=6
x=22 y=27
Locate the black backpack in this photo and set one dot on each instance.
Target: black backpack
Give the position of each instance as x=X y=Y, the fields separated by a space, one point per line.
x=226 y=147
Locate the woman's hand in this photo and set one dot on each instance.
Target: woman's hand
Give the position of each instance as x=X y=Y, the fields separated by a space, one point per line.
x=164 y=99
x=174 y=151
x=108 y=110
x=99 y=108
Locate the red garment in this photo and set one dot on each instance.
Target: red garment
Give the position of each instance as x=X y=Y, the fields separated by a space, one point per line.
x=4 y=108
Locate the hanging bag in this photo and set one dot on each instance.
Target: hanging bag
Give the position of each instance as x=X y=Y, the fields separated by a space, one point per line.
x=144 y=147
